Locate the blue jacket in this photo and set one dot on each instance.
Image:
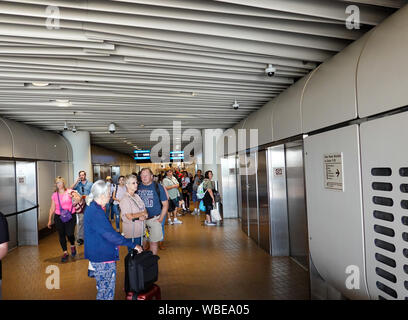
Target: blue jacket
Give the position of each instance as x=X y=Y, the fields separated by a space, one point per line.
x=101 y=240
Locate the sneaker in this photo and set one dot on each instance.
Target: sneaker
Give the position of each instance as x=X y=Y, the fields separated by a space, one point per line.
x=170 y=222
x=177 y=221
x=65 y=257
x=73 y=251
x=80 y=242
x=210 y=224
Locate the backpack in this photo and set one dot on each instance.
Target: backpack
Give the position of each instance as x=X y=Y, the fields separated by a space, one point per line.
x=200 y=191
x=156 y=186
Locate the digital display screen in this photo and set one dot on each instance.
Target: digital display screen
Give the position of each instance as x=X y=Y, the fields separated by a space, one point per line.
x=142 y=155
x=176 y=155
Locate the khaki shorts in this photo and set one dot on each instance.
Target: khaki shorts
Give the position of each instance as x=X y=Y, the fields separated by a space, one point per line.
x=154 y=228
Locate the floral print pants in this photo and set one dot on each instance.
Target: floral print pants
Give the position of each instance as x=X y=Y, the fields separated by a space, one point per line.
x=105 y=275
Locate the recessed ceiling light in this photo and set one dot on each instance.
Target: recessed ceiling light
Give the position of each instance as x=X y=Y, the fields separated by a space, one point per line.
x=142 y=125
x=62 y=100
x=40 y=84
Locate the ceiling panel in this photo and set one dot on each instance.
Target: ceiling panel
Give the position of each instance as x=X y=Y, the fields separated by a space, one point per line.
x=143 y=64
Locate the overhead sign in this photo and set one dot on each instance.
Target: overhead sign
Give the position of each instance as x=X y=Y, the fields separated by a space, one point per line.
x=142 y=155
x=176 y=155
x=333 y=171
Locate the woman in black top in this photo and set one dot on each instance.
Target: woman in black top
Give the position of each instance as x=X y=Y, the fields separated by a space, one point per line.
x=209 y=200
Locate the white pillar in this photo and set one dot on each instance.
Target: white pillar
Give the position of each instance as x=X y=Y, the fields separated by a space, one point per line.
x=210 y=156
x=81 y=152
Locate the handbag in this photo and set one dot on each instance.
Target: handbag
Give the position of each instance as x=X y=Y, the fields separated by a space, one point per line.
x=215 y=215
x=65 y=215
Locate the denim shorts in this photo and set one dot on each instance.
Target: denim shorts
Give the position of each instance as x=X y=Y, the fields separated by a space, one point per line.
x=194 y=198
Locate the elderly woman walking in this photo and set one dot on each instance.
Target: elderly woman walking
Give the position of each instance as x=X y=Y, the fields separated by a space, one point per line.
x=102 y=241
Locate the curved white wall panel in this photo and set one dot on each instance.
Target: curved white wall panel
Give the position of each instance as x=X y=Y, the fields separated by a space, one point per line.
x=6 y=141
x=24 y=142
x=335 y=217
x=262 y=121
x=330 y=94
x=49 y=145
x=286 y=111
x=383 y=68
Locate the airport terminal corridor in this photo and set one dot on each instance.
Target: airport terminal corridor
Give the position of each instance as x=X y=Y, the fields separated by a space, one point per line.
x=198 y=264
x=281 y=120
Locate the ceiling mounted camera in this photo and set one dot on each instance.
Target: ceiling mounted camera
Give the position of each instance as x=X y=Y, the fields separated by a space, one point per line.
x=112 y=128
x=65 y=126
x=235 y=105
x=270 y=70
x=74 y=129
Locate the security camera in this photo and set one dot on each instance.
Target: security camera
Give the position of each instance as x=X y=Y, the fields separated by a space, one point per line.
x=65 y=126
x=235 y=105
x=270 y=70
x=74 y=129
x=112 y=128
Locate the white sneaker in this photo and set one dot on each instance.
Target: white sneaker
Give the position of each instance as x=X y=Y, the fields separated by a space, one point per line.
x=170 y=222
x=177 y=221
x=210 y=224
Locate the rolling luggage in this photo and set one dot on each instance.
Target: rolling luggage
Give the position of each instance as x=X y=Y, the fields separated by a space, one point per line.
x=141 y=271
x=153 y=294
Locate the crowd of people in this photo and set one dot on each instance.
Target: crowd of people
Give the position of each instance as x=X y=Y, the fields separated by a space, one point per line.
x=84 y=214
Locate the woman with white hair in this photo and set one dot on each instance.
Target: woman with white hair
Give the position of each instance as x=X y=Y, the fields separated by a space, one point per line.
x=102 y=241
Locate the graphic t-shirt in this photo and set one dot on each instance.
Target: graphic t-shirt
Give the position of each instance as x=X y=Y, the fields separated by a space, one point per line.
x=4 y=234
x=185 y=182
x=151 y=199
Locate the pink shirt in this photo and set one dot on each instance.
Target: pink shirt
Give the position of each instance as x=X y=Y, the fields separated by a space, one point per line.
x=66 y=201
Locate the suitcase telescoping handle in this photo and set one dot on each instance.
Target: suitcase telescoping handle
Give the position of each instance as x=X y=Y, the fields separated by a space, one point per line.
x=133 y=220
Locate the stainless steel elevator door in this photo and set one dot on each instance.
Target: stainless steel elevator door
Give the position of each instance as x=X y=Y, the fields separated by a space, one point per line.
x=27 y=198
x=115 y=173
x=253 y=198
x=244 y=194
x=298 y=235
x=264 y=226
x=8 y=198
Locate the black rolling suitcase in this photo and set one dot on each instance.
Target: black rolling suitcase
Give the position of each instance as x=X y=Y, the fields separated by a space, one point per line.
x=141 y=271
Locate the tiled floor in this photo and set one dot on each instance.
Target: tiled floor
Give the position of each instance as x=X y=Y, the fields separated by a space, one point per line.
x=198 y=263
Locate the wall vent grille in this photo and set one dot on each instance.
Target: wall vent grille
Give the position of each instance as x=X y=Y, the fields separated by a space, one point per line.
x=390 y=224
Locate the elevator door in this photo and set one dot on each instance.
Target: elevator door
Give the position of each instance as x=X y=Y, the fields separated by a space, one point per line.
x=244 y=194
x=253 y=197
x=26 y=181
x=8 y=198
x=298 y=236
x=264 y=226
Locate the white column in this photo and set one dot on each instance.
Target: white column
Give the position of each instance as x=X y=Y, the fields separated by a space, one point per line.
x=81 y=152
x=210 y=156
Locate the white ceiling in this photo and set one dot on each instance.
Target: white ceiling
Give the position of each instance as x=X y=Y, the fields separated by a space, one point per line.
x=149 y=62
